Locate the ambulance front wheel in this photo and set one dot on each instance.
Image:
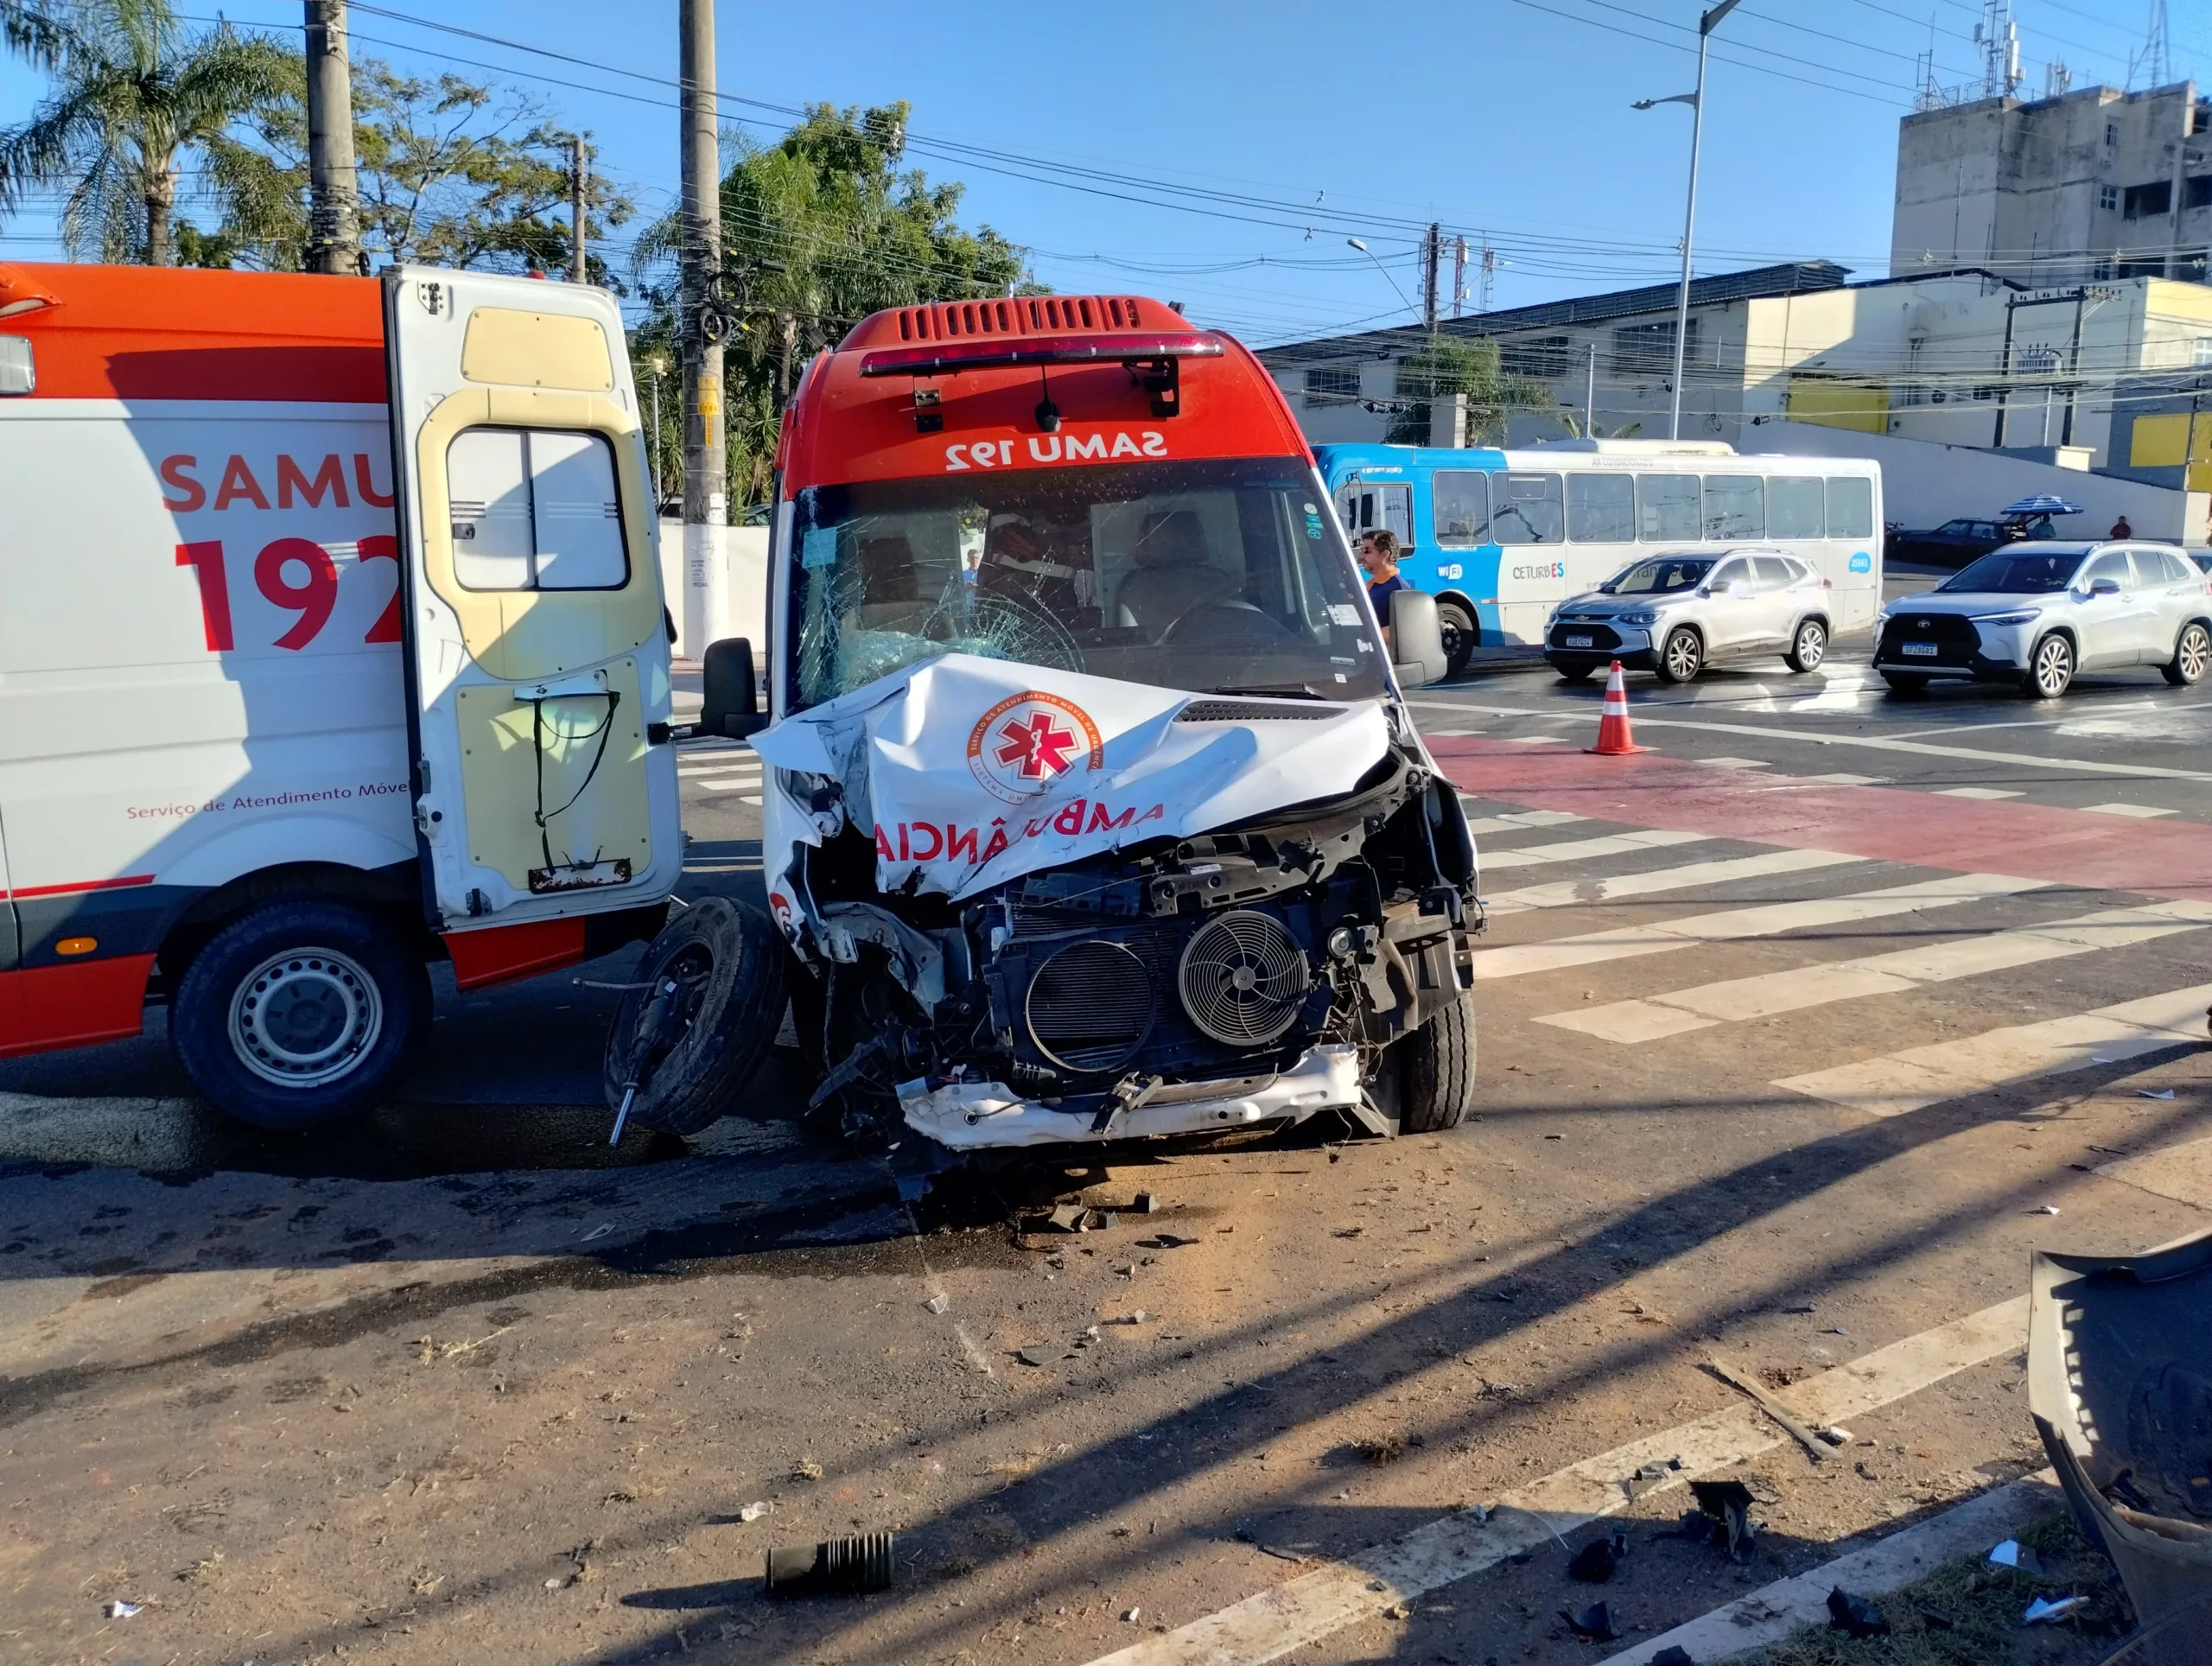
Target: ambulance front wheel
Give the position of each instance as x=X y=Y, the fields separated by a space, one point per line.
x=300 y=1015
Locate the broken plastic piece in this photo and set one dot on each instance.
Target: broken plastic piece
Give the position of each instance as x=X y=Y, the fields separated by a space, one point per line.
x=1855 y=1615
x=2154 y=1093
x=1105 y=1221
x=1129 y=1615
x=1594 y=1564
x=1727 y=1507
x=939 y=1304
x=2043 y=1611
x=1067 y=1217
x=2013 y=1554
x=860 y=1563
x=121 y=1610
x=2044 y=1209
x=1835 y=1435
x=1593 y=1624
x=1035 y=1356
x=1673 y=1655
x=1146 y=1204
x=754 y=1512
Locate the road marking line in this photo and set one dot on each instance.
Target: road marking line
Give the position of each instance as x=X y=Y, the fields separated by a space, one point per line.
x=1842 y=779
x=690 y=773
x=1613 y=844
x=1536 y=740
x=1731 y=763
x=1520 y=821
x=1450 y=733
x=1559 y=892
x=1773 y=1613
x=1978 y=793
x=752 y=798
x=2142 y=812
x=1893 y=1083
x=1737 y=999
x=2182 y=1172
x=2087 y=766
x=726 y=785
x=1767 y=919
x=1314 y=1605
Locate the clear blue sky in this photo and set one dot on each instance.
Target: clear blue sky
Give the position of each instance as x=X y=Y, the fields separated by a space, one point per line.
x=1507 y=118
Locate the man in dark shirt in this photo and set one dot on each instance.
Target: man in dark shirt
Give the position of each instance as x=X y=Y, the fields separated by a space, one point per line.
x=1378 y=554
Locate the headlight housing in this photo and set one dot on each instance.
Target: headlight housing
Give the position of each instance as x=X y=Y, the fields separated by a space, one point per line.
x=2026 y=617
x=1640 y=616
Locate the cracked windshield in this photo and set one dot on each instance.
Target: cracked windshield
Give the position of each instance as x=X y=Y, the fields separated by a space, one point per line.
x=1211 y=576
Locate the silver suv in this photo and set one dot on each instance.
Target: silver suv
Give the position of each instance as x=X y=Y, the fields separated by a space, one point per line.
x=1674 y=614
x=2035 y=614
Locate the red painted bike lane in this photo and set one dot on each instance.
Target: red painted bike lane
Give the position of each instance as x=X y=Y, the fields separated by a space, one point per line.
x=2029 y=841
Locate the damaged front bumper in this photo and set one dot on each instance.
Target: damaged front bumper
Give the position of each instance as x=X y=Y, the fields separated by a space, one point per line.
x=972 y=1116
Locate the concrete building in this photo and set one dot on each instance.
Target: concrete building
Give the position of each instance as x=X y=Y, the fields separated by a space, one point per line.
x=2084 y=188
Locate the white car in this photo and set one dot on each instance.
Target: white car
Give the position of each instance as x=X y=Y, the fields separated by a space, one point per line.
x=1674 y=614
x=2036 y=613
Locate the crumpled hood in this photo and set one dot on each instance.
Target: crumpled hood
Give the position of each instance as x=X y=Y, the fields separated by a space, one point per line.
x=969 y=771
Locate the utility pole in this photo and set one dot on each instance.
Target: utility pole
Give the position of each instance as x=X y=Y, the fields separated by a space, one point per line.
x=706 y=457
x=578 y=267
x=1432 y=251
x=333 y=212
x=1706 y=25
x=1590 y=397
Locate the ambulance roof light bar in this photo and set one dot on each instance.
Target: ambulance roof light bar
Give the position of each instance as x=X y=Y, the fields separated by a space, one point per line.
x=1120 y=347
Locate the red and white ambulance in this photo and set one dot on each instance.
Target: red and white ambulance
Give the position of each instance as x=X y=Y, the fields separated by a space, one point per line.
x=331 y=643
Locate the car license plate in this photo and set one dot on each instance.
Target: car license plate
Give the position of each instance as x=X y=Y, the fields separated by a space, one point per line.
x=1580 y=641
x=1921 y=650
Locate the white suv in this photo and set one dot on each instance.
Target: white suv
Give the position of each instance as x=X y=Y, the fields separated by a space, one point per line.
x=1674 y=614
x=2035 y=614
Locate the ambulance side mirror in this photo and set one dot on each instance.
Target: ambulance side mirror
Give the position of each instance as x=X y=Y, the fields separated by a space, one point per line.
x=1416 y=640
x=732 y=706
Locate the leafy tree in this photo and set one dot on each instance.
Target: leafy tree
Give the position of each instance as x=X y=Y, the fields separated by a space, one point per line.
x=1570 y=418
x=449 y=174
x=133 y=96
x=1446 y=365
x=819 y=230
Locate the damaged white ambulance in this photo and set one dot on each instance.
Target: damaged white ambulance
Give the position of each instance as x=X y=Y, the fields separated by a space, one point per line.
x=1094 y=811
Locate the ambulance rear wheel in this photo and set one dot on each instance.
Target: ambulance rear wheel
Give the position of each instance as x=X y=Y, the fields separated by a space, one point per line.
x=300 y=1015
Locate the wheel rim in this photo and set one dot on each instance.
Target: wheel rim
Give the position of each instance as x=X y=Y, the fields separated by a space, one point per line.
x=1812 y=645
x=2053 y=665
x=306 y=1018
x=2195 y=653
x=1452 y=636
x=1681 y=655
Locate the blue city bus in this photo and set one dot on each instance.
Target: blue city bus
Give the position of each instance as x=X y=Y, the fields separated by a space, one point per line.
x=1501 y=538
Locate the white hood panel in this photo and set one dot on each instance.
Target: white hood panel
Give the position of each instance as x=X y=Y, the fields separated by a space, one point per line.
x=970 y=771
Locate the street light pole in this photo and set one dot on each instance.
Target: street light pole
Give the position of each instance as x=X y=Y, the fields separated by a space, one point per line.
x=699 y=259
x=1696 y=102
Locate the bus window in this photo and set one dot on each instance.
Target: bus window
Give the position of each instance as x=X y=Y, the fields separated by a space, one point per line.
x=1734 y=506
x=1666 y=508
x=1601 y=508
x=1527 y=510
x=1363 y=508
x=1851 y=506
x=1460 y=507
x=1793 y=508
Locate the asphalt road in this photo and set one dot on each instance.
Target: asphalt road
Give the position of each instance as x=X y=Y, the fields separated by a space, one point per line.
x=1796 y=1025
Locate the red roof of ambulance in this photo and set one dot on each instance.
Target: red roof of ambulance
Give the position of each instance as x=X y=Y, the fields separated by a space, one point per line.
x=843 y=427
x=177 y=332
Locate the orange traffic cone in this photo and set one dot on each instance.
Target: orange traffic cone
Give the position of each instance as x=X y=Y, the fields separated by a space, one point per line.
x=1614 y=740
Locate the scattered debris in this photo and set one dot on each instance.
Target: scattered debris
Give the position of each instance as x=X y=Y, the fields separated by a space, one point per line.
x=806 y=1470
x=121 y=1610
x=1835 y=1330
x=1755 y=1611
x=1773 y=1407
x=2013 y=1554
x=1067 y=1217
x=1035 y=1356
x=1490 y=1390
x=2044 y=1612
x=598 y=1232
x=754 y=1512
x=1165 y=1241
x=1104 y=1220
x=1347 y=1231
x=555 y=1583
x=1593 y=1624
x=205 y=1571
x=854 y=1565
x=1651 y=1476
x=1673 y=1655
x=1145 y=1204
x=2044 y=1209
x=1129 y=1616
x=1245 y=1535
x=2154 y=1093
x=1723 y=1516
x=1594 y=1564
x=1139 y=1317
x=1855 y=1615
x=1836 y=1435
x=939 y=1304
x=1935 y=1619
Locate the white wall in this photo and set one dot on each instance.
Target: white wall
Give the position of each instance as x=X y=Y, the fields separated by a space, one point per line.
x=1925 y=485
x=745 y=553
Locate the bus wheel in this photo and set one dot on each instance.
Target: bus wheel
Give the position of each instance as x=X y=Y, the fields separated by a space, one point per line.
x=300 y=1015
x=1461 y=631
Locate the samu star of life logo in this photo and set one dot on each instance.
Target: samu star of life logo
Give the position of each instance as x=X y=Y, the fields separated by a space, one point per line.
x=1028 y=740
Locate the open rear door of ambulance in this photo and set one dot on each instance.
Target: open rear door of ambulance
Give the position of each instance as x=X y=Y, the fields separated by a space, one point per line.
x=538 y=665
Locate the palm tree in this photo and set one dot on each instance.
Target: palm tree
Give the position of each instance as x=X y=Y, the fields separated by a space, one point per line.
x=132 y=93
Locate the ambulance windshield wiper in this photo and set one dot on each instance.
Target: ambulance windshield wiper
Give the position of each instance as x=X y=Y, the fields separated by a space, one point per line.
x=1297 y=692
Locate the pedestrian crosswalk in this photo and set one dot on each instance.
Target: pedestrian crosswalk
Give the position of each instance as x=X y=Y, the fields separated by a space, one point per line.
x=719 y=767
x=1764 y=923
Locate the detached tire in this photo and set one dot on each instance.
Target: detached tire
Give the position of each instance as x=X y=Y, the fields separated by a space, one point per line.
x=1436 y=1069
x=300 y=1015
x=727 y=963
